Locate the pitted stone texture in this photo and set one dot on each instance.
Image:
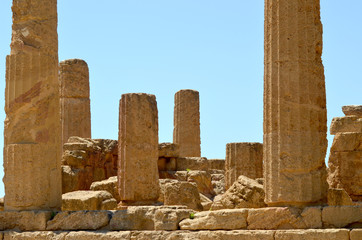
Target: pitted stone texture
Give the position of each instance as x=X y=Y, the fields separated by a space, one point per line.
x=244 y=193
x=342 y=216
x=75 y=118
x=134 y=218
x=74 y=79
x=27 y=177
x=32 y=105
x=24 y=220
x=284 y=218
x=138 y=148
x=295 y=115
x=243 y=158
x=203 y=182
x=228 y=219
x=86 y=235
x=186 y=132
x=168 y=218
x=79 y=220
x=109 y=185
x=352 y=110
x=86 y=161
x=346 y=124
x=168 y=150
x=85 y=200
x=338 y=197
x=174 y=192
x=205 y=202
x=312 y=234
x=13 y=235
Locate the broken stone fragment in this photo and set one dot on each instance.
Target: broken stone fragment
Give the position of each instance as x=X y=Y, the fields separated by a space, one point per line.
x=85 y=200
x=352 y=110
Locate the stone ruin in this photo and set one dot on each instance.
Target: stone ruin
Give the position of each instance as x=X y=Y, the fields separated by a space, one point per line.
x=138 y=188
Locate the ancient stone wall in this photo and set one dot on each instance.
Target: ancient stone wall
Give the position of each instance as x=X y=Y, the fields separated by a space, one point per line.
x=32 y=148
x=295 y=115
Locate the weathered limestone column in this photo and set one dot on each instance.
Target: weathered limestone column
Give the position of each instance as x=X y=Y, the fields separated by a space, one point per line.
x=186 y=132
x=74 y=99
x=32 y=149
x=138 y=149
x=295 y=115
x=243 y=158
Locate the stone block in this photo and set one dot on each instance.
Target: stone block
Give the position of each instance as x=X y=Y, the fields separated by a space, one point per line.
x=346 y=124
x=352 y=110
x=243 y=158
x=312 y=234
x=138 y=148
x=284 y=218
x=356 y=234
x=192 y=163
x=203 y=182
x=186 y=132
x=168 y=218
x=338 y=197
x=109 y=185
x=228 y=219
x=347 y=142
x=86 y=235
x=79 y=220
x=218 y=164
x=341 y=216
x=169 y=150
x=84 y=200
x=134 y=218
x=166 y=164
x=43 y=235
x=24 y=220
x=205 y=202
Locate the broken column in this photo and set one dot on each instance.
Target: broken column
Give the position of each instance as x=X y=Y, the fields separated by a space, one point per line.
x=345 y=159
x=186 y=131
x=74 y=99
x=138 y=149
x=243 y=158
x=295 y=115
x=32 y=150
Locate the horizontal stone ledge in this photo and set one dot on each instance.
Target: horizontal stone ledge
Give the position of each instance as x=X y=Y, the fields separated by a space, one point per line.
x=325 y=234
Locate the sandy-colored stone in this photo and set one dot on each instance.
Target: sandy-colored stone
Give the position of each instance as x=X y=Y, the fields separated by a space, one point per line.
x=24 y=220
x=109 y=185
x=243 y=158
x=134 y=218
x=181 y=193
x=2 y=204
x=295 y=114
x=138 y=148
x=217 y=164
x=352 y=110
x=166 y=164
x=244 y=193
x=79 y=220
x=32 y=108
x=168 y=218
x=13 y=235
x=186 y=122
x=205 y=202
x=284 y=218
x=168 y=150
x=192 y=163
x=356 y=234
x=84 y=200
x=203 y=182
x=86 y=161
x=347 y=142
x=228 y=219
x=109 y=204
x=341 y=216
x=312 y=234
x=86 y=235
x=218 y=183
x=346 y=124
x=338 y=197
x=26 y=184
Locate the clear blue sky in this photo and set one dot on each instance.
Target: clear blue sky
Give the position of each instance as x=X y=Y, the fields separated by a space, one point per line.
x=215 y=47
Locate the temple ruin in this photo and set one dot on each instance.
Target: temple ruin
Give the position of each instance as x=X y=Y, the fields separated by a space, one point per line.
x=61 y=184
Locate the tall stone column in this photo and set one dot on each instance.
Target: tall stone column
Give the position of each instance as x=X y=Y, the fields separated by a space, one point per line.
x=186 y=132
x=74 y=99
x=295 y=115
x=138 y=149
x=32 y=149
x=243 y=158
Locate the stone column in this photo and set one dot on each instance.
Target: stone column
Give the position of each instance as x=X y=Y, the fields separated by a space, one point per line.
x=74 y=99
x=32 y=149
x=138 y=149
x=186 y=132
x=295 y=115
x=243 y=158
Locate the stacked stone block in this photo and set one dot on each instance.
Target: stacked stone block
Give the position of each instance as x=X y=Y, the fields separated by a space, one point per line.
x=32 y=149
x=186 y=131
x=345 y=159
x=295 y=115
x=74 y=99
x=138 y=149
x=243 y=158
